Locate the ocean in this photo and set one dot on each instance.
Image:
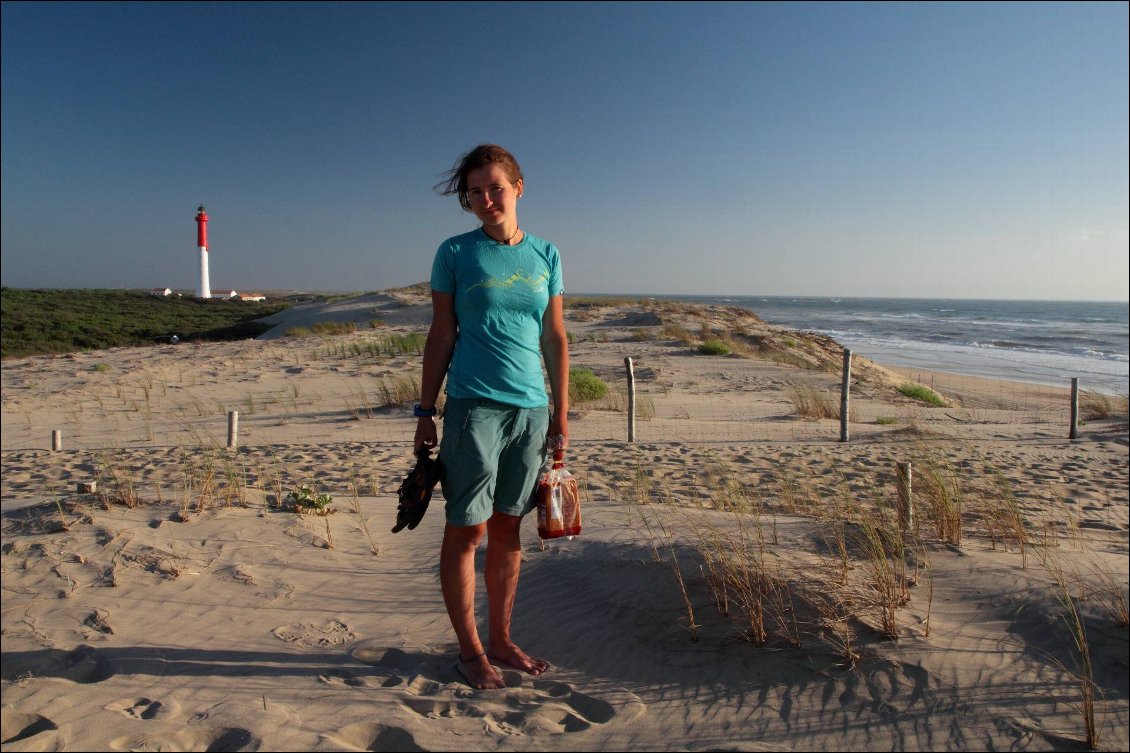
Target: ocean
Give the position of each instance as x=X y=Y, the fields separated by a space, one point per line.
x=1047 y=342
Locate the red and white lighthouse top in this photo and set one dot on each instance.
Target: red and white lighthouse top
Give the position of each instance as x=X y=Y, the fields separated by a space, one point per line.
x=201 y=227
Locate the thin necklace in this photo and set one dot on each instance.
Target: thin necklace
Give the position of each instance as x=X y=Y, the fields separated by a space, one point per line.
x=505 y=242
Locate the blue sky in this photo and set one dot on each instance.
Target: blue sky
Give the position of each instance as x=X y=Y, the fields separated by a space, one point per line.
x=904 y=150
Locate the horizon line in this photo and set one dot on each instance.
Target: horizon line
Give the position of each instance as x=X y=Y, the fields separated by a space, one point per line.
x=820 y=296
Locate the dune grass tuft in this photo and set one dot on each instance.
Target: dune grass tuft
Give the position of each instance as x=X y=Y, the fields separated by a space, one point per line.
x=1094 y=406
x=398 y=390
x=922 y=394
x=811 y=403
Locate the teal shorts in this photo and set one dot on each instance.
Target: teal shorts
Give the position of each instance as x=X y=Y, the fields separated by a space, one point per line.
x=492 y=455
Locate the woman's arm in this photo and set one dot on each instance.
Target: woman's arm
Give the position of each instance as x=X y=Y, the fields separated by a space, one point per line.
x=555 y=350
x=437 y=357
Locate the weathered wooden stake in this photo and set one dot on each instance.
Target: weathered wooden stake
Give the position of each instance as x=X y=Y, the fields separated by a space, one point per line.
x=56 y=440
x=904 y=472
x=1074 y=408
x=631 y=399
x=233 y=428
x=845 y=390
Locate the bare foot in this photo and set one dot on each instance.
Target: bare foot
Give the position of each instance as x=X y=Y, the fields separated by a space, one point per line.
x=478 y=673
x=515 y=657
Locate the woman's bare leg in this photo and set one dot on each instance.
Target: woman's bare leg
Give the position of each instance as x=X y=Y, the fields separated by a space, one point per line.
x=457 y=581
x=504 y=562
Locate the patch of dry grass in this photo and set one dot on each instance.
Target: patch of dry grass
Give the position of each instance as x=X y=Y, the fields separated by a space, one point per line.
x=810 y=402
x=1094 y=406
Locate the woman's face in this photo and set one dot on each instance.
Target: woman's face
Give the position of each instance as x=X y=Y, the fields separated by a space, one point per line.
x=493 y=198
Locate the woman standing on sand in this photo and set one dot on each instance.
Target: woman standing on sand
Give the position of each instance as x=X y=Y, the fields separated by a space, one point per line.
x=496 y=311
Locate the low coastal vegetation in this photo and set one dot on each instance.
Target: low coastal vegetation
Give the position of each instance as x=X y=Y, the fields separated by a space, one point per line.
x=811 y=403
x=388 y=345
x=35 y=322
x=585 y=386
x=307 y=500
x=602 y=301
x=1096 y=405
x=922 y=394
x=323 y=329
x=62 y=321
x=722 y=330
x=714 y=347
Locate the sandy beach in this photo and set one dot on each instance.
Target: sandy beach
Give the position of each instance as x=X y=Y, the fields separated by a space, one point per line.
x=742 y=581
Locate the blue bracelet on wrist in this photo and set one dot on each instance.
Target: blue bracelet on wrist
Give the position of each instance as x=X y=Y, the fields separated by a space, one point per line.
x=419 y=412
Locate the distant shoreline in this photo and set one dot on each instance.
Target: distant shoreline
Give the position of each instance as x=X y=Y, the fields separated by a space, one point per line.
x=1037 y=342
x=906 y=333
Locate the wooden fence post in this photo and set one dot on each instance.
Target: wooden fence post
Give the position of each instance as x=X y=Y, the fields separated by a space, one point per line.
x=56 y=440
x=1074 y=433
x=631 y=399
x=233 y=428
x=845 y=392
x=904 y=472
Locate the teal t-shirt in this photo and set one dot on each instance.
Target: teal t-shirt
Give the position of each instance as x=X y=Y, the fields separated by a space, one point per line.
x=501 y=293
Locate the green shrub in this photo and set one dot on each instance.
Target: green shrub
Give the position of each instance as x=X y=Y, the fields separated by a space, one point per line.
x=714 y=347
x=922 y=394
x=585 y=386
x=306 y=498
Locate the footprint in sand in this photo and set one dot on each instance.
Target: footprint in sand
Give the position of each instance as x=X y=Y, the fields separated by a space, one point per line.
x=99 y=621
x=231 y=738
x=389 y=659
x=432 y=708
x=83 y=665
x=144 y=708
x=370 y=736
x=592 y=709
x=347 y=678
x=34 y=731
x=397 y=668
x=546 y=707
x=332 y=633
x=434 y=690
x=250 y=576
x=221 y=738
x=422 y=686
x=425 y=673
x=244 y=574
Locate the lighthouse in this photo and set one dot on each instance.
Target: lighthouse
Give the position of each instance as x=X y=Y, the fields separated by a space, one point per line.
x=203 y=290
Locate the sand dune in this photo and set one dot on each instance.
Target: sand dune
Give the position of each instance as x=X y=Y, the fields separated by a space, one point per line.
x=727 y=592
